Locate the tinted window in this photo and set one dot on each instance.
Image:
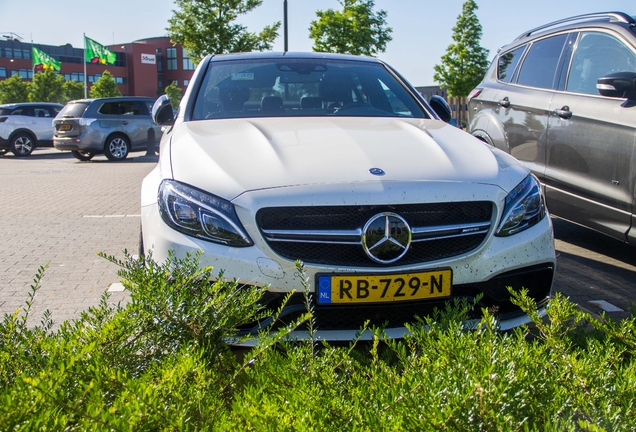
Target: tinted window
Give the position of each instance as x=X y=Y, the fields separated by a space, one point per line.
x=508 y=63
x=73 y=110
x=24 y=111
x=109 y=108
x=301 y=87
x=129 y=108
x=539 y=66
x=597 y=55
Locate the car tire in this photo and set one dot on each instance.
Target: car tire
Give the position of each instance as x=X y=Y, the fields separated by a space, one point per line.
x=22 y=144
x=83 y=155
x=117 y=147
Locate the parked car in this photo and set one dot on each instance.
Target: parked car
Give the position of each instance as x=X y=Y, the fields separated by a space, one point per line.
x=337 y=161
x=25 y=126
x=562 y=99
x=112 y=126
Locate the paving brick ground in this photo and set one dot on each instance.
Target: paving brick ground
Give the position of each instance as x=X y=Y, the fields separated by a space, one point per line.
x=60 y=211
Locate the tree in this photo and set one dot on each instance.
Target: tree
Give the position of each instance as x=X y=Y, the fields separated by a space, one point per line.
x=465 y=62
x=174 y=94
x=104 y=87
x=357 y=29
x=47 y=86
x=73 y=90
x=14 y=90
x=206 y=27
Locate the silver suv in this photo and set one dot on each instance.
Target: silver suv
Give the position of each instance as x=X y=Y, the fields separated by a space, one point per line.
x=562 y=99
x=112 y=126
x=25 y=126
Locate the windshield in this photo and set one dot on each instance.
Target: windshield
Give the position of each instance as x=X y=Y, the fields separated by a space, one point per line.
x=301 y=87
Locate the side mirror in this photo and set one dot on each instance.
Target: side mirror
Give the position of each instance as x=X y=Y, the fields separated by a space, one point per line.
x=619 y=85
x=162 y=113
x=441 y=108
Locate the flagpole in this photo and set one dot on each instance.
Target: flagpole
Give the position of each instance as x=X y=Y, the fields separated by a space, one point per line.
x=85 y=86
x=32 y=62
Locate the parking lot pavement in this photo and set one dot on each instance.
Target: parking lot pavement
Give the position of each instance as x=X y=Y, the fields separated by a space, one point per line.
x=61 y=212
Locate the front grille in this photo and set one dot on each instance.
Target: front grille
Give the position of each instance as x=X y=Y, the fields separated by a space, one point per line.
x=332 y=235
x=496 y=298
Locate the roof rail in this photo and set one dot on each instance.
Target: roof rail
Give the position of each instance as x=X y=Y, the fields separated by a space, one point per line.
x=613 y=17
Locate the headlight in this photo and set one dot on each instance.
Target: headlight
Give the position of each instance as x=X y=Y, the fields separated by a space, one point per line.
x=201 y=215
x=524 y=207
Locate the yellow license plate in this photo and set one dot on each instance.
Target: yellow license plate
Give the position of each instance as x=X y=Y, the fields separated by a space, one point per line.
x=65 y=127
x=356 y=288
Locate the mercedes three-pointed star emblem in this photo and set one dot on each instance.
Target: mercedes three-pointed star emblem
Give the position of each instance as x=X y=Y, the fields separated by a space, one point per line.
x=386 y=237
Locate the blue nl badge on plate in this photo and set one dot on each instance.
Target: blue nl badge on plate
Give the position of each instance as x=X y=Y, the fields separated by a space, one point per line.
x=324 y=289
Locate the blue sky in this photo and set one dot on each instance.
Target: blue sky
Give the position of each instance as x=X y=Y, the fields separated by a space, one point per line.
x=422 y=29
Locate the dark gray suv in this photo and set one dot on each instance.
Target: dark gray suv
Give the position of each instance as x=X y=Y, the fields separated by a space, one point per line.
x=112 y=126
x=562 y=99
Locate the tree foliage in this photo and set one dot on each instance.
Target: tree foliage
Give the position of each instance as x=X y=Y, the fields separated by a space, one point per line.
x=174 y=94
x=73 y=90
x=465 y=62
x=13 y=90
x=105 y=87
x=208 y=27
x=47 y=86
x=357 y=29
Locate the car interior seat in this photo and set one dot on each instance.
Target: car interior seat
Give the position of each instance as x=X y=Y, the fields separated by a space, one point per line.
x=272 y=104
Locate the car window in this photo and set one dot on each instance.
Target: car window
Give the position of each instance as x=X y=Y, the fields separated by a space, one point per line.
x=110 y=108
x=301 y=87
x=24 y=111
x=73 y=110
x=131 y=108
x=597 y=55
x=539 y=67
x=508 y=63
x=43 y=112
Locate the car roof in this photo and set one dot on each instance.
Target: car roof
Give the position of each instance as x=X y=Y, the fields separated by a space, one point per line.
x=24 y=104
x=610 y=20
x=291 y=55
x=116 y=98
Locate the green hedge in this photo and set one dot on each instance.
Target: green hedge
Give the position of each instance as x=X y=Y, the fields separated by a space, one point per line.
x=161 y=362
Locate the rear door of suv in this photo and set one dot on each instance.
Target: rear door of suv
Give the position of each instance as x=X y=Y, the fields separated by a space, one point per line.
x=525 y=101
x=135 y=122
x=590 y=171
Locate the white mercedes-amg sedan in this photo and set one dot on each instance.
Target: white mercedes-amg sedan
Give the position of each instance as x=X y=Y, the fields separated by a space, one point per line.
x=338 y=162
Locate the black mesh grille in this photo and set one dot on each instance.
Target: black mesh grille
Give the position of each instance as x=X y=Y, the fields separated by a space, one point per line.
x=355 y=217
x=537 y=280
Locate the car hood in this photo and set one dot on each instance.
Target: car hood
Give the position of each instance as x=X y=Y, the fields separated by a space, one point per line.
x=230 y=157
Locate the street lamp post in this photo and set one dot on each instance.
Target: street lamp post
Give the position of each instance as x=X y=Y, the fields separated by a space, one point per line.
x=285 y=23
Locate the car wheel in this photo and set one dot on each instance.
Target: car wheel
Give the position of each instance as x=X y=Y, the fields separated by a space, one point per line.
x=22 y=144
x=117 y=148
x=83 y=155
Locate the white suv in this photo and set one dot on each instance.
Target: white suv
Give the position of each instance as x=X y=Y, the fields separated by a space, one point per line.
x=25 y=126
x=336 y=161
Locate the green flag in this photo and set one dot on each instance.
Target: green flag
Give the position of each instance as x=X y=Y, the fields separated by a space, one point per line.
x=43 y=60
x=96 y=53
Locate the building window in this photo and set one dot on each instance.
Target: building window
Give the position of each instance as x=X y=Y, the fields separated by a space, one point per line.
x=119 y=80
x=187 y=63
x=17 y=53
x=186 y=83
x=24 y=73
x=3 y=72
x=26 y=54
x=171 y=56
x=8 y=52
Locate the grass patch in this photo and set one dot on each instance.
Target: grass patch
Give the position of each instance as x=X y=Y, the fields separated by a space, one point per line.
x=161 y=362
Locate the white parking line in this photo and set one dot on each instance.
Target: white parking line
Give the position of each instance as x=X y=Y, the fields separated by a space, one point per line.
x=116 y=287
x=112 y=216
x=606 y=306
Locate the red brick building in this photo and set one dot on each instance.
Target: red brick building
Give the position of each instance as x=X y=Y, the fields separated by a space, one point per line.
x=142 y=68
